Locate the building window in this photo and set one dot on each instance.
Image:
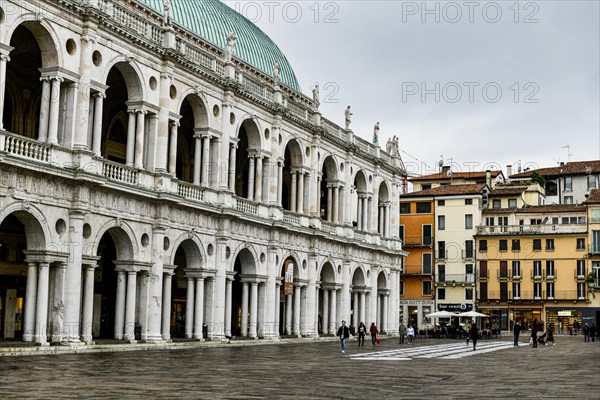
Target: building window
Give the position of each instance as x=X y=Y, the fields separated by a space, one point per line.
x=469 y=249
x=441 y=295
x=489 y=221
x=537 y=269
x=426 y=186
x=503 y=245
x=512 y=203
x=551 y=188
x=596 y=269
x=537 y=244
x=426 y=268
x=568 y=184
x=549 y=290
x=516 y=269
x=483 y=246
x=470 y=273
x=554 y=220
x=441 y=202
x=568 y=199
x=483 y=292
x=581 y=290
x=483 y=269
x=591 y=182
x=580 y=244
x=404 y=208
x=537 y=290
x=469 y=294
x=401 y=232
x=401 y=288
x=549 y=269
x=535 y=221
x=503 y=221
x=581 y=269
x=426 y=288
x=516 y=245
x=468 y=221
x=423 y=208
x=549 y=244
x=595 y=242
x=426 y=235
x=516 y=288
x=468 y=202
x=496 y=203
x=441 y=222
x=441 y=250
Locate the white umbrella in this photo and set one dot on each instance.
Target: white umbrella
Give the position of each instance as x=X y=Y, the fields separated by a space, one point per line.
x=472 y=314
x=441 y=314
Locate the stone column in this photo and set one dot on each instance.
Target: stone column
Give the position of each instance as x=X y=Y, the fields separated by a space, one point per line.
x=263 y=308
x=72 y=292
x=296 y=326
x=288 y=314
x=4 y=58
x=333 y=322
x=378 y=312
x=329 y=203
x=54 y=109
x=244 y=321
x=44 y=110
x=365 y=214
x=359 y=213
x=97 y=127
x=155 y=289
x=120 y=306
x=228 y=307
x=205 y=160
x=300 y=205
x=384 y=318
x=87 y=318
x=189 y=309
x=130 y=151
x=259 y=179
x=56 y=309
x=199 y=308
x=277 y=308
x=251 y=175
x=130 y=305
x=173 y=148
x=30 y=302
x=363 y=308
x=253 y=309
x=336 y=204
x=139 y=139
x=325 y=316
x=166 y=305
x=356 y=310
x=317 y=305
x=41 y=315
x=386 y=220
x=279 y=182
x=292 y=202
x=232 y=162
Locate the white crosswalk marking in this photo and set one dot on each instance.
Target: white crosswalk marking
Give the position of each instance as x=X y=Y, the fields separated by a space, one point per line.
x=444 y=351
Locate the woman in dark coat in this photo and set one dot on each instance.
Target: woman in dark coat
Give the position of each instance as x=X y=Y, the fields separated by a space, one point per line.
x=534 y=330
x=474 y=333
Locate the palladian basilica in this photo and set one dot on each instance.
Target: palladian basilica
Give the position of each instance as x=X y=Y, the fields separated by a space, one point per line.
x=162 y=176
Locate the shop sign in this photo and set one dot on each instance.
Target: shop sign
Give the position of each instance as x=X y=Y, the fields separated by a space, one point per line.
x=564 y=313
x=455 y=307
x=288 y=285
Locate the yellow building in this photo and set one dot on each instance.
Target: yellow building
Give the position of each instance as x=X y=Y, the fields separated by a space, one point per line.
x=532 y=260
x=593 y=270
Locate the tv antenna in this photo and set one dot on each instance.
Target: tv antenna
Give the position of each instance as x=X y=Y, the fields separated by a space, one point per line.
x=569 y=154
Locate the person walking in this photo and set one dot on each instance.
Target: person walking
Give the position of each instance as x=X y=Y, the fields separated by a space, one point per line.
x=362 y=331
x=534 y=330
x=374 y=333
x=410 y=332
x=586 y=332
x=593 y=331
x=516 y=332
x=550 y=337
x=402 y=331
x=575 y=327
x=343 y=333
x=474 y=332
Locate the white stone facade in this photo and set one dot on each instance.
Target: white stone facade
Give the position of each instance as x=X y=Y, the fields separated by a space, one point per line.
x=148 y=188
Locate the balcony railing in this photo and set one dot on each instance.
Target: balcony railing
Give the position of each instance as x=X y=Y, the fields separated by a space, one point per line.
x=594 y=248
x=531 y=295
x=468 y=254
x=120 y=172
x=27 y=148
x=455 y=278
x=531 y=229
x=246 y=206
x=418 y=241
x=417 y=269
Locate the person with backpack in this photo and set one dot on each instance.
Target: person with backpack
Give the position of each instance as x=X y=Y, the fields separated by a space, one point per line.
x=374 y=333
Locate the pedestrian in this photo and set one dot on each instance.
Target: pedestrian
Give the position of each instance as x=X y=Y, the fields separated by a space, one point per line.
x=534 y=329
x=410 y=332
x=576 y=327
x=374 y=333
x=586 y=332
x=474 y=332
x=593 y=331
x=343 y=333
x=516 y=332
x=362 y=331
x=550 y=335
x=402 y=332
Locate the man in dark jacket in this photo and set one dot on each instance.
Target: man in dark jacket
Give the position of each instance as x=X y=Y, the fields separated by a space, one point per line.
x=343 y=333
x=593 y=332
x=534 y=330
x=516 y=332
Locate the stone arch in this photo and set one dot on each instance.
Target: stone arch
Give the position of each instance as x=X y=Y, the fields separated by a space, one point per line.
x=297 y=263
x=248 y=259
x=330 y=190
x=360 y=181
x=131 y=73
x=359 y=276
x=382 y=280
x=384 y=191
x=327 y=272
x=194 y=122
x=252 y=127
x=46 y=37
x=37 y=231
x=293 y=161
x=199 y=106
x=248 y=147
x=195 y=255
x=123 y=236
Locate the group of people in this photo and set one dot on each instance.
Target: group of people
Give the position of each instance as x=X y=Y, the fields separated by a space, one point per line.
x=344 y=334
x=589 y=332
x=545 y=338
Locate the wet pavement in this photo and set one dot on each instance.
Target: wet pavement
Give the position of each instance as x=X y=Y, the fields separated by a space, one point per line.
x=431 y=368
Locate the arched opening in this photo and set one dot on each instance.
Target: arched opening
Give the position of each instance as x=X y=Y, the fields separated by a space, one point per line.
x=382 y=302
x=290 y=299
x=187 y=290
x=359 y=298
x=244 y=297
x=293 y=196
x=360 y=202
x=383 y=211
x=193 y=123
x=329 y=198
x=328 y=301
x=23 y=86
x=248 y=148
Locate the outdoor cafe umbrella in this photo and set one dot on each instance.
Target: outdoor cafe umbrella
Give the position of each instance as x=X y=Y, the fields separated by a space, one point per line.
x=472 y=314
x=441 y=314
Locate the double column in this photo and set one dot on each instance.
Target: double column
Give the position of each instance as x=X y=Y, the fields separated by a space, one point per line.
x=329 y=317
x=172 y=162
x=297 y=195
x=384 y=219
x=202 y=164
x=333 y=203
x=168 y=272
x=4 y=59
x=88 y=302
x=97 y=122
x=135 y=138
x=363 y=211
x=255 y=177
x=125 y=307
x=194 y=311
x=248 y=323
x=49 y=109
x=360 y=306
x=36 y=302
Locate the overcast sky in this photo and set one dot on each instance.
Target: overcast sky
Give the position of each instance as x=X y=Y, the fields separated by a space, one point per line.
x=484 y=84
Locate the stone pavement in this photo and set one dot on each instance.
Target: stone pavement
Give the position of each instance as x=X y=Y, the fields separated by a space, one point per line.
x=316 y=370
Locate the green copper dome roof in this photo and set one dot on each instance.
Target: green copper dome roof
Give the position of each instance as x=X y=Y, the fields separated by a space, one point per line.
x=213 y=21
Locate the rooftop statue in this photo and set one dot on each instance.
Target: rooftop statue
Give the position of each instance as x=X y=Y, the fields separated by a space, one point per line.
x=348 y=116
x=231 y=38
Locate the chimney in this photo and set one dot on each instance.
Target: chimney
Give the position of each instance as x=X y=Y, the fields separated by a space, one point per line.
x=445 y=169
x=508 y=170
x=562 y=163
x=488 y=177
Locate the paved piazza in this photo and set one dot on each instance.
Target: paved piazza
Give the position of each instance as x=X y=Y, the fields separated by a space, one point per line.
x=428 y=369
